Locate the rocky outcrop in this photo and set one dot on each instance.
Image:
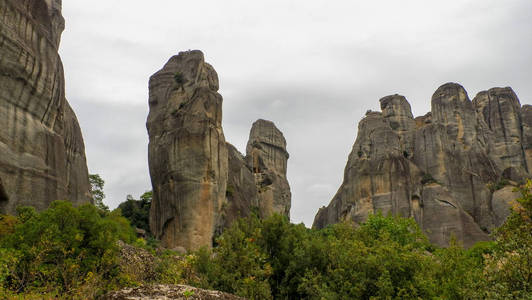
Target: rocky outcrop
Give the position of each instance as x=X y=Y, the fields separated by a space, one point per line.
x=201 y=184
x=257 y=182
x=42 y=156
x=168 y=292
x=267 y=156
x=187 y=152
x=500 y=110
x=440 y=169
x=241 y=193
x=526 y=115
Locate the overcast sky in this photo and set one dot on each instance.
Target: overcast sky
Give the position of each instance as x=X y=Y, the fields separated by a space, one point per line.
x=312 y=67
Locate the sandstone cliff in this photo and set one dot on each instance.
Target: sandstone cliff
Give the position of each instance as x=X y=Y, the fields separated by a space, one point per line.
x=201 y=184
x=42 y=155
x=446 y=169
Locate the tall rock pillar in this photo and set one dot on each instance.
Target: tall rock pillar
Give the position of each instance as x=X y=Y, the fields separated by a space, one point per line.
x=187 y=152
x=266 y=154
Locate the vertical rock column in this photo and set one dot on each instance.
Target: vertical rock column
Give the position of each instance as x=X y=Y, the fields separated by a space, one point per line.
x=266 y=154
x=500 y=109
x=187 y=152
x=42 y=154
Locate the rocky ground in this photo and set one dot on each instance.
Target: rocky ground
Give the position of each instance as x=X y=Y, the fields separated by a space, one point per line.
x=160 y=291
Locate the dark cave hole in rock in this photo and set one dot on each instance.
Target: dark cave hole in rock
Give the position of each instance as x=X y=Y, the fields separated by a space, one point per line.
x=3 y=193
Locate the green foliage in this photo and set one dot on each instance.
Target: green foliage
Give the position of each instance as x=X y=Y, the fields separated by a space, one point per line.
x=188 y=293
x=97 y=193
x=173 y=268
x=61 y=249
x=137 y=211
x=259 y=259
x=427 y=179
x=229 y=191
x=72 y=252
x=238 y=265
x=180 y=79
x=495 y=186
x=507 y=271
x=7 y=225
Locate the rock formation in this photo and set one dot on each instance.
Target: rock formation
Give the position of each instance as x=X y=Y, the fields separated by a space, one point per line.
x=267 y=156
x=444 y=168
x=242 y=193
x=201 y=184
x=187 y=152
x=42 y=155
x=257 y=182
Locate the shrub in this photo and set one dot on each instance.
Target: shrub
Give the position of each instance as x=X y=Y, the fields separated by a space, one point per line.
x=62 y=248
x=427 y=178
x=260 y=259
x=137 y=211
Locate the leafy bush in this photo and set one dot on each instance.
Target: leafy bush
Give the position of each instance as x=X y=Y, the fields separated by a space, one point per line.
x=137 y=211
x=495 y=186
x=62 y=249
x=72 y=252
x=97 y=193
x=507 y=271
x=261 y=259
x=427 y=179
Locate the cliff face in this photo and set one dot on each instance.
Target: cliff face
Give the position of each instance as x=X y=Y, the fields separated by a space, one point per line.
x=202 y=184
x=42 y=155
x=441 y=168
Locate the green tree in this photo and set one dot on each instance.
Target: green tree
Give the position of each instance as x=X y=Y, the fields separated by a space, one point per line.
x=507 y=272
x=137 y=211
x=62 y=248
x=385 y=257
x=97 y=193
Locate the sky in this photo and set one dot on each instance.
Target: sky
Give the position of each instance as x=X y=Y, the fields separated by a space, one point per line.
x=312 y=67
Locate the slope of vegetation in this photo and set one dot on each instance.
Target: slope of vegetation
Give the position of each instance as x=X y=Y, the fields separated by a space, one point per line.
x=68 y=252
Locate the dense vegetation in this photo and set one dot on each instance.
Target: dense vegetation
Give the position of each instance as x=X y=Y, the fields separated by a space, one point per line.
x=73 y=252
x=137 y=211
x=62 y=250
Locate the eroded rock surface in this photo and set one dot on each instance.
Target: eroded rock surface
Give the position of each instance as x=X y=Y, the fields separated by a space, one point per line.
x=42 y=155
x=440 y=168
x=242 y=193
x=201 y=184
x=267 y=156
x=257 y=182
x=187 y=152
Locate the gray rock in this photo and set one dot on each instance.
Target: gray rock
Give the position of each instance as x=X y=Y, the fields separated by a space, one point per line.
x=187 y=152
x=437 y=168
x=168 y=292
x=500 y=109
x=267 y=156
x=526 y=115
x=42 y=152
x=201 y=184
x=241 y=193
